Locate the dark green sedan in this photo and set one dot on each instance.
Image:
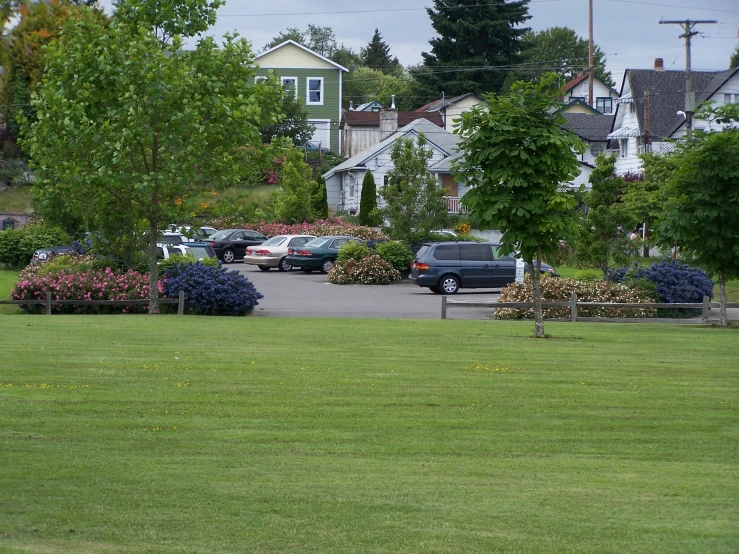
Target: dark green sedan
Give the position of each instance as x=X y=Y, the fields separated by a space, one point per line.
x=318 y=254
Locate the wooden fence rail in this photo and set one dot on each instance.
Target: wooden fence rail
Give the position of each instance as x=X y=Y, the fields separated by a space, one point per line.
x=573 y=304
x=48 y=302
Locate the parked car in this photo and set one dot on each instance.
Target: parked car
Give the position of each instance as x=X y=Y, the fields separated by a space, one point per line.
x=319 y=253
x=273 y=252
x=446 y=267
x=167 y=250
x=201 y=250
x=231 y=244
x=191 y=233
x=44 y=254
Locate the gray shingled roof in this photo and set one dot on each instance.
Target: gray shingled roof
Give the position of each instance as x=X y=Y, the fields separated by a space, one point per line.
x=590 y=127
x=444 y=140
x=667 y=96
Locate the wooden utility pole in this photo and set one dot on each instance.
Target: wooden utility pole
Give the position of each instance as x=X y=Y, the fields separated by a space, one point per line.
x=688 y=33
x=591 y=63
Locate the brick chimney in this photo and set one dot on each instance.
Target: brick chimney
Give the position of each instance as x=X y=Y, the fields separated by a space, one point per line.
x=388 y=122
x=659 y=64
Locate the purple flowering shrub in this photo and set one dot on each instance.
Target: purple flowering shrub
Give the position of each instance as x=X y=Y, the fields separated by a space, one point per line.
x=211 y=290
x=675 y=283
x=70 y=283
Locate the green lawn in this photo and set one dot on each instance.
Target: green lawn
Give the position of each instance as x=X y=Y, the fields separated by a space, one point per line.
x=8 y=279
x=17 y=200
x=164 y=434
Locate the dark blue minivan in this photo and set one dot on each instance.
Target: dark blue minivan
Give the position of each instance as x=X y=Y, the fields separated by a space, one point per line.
x=446 y=267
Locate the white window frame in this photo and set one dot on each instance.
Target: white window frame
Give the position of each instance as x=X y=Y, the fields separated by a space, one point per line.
x=597 y=148
x=623 y=146
x=308 y=91
x=260 y=78
x=294 y=79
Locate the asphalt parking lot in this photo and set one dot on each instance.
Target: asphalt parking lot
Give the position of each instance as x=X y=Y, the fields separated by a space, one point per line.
x=297 y=294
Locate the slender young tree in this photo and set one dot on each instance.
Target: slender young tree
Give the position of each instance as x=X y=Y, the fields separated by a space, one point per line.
x=474 y=34
x=368 y=200
x=320 y=198
x=515 y=158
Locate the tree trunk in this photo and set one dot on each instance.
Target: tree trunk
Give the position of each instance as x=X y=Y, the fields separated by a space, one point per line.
x=153 y=289
x=535 y=270
x=724 y=318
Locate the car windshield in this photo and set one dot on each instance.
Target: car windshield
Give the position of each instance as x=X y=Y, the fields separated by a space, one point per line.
x=320 y=241
x=200 y=252
x=274 y=241
x=220 y=235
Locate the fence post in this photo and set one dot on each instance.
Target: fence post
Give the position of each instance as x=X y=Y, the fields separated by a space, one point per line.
x=706 y=307
x=573 y=307
x=48 y=303
x=181 y=303
x=443 y=307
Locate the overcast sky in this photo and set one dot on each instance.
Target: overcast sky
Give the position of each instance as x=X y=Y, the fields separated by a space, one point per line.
x=628 y=31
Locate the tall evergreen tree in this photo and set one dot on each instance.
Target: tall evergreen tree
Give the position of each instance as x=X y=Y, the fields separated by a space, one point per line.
x=319 y=198
x=377 y=55
x=734 y=61
x=481 y=35
x=368 y=200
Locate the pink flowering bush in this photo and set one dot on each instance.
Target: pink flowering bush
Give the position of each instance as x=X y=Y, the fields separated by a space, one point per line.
x=89 y=284
x=322 y=227
x=556 y=290
x=370 y=270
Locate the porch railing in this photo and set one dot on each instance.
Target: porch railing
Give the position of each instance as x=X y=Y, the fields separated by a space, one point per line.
x=454 y=206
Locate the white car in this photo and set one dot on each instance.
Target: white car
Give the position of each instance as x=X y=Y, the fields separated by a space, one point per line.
x=272 y=252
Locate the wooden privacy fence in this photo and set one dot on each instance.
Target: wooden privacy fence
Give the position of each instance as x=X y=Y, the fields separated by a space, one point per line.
x=573 y=304
x=48 y=302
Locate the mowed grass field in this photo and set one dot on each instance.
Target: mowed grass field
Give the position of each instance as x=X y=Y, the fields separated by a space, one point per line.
x=130 y=434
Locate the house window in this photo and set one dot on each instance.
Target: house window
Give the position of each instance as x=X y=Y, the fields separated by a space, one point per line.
x=597 y=148
x=314 y=92
x=290 y=83
x=604 y=104
x=352 y=185
x=259 y=79
x=632 y=108
x=731 y=98
x=623 y=146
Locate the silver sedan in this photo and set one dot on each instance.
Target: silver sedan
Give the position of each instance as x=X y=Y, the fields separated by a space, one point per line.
x=272 y=252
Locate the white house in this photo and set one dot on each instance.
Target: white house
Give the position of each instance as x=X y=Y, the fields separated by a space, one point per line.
x=344 y=182
x=593 y=130
x=451 y=109
x=578 y=90
x=657 y=96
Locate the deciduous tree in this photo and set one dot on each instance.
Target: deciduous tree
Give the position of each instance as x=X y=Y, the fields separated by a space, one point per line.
x=415 y=202
x=130 y=123
x=702 y=211
x=516 y=158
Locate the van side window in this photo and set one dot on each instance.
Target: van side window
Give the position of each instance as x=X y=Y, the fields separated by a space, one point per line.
x=507 y=257
x=475 y=253
x=447 y=252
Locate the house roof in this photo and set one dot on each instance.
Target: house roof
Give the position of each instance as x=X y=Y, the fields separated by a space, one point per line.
x=592 y=128
x=712 y=88
x=667 y=96
x=579 y=79
x=316 y=54
x=364 y=107
x=436 y=105
x=443 y=140
x=574 y=103
x=372 y=119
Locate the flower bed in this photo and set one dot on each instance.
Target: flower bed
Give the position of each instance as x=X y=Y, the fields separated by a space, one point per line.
x=91 y=284
x=557 y=290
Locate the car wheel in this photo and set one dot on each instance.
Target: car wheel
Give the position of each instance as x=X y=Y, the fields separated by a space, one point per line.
x=449 y=284
x=307 y=270
x=264 y=267
x=228 y=256
x=326 y=265
x=436 y=290
x=284 y=265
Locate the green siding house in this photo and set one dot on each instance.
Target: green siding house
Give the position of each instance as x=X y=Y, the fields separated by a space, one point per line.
x=316 y=81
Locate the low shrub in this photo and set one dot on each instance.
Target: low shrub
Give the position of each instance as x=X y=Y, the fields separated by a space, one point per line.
x=165 y=265
x=18 y=245
x=554 y=289
x=370 y=270
x=211 y=290
x=462 y=228
x=353 y=251
x=397 y=254
x=71 y=283
x=588 y=275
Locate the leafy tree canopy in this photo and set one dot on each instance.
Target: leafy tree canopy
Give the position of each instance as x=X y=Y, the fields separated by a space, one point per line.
x=481 y=36
x=129 y=129
x=560 y=50
x=294 y=124
x=366 y=84
x=169 y=19
x=516 y=158
x=377 y=55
